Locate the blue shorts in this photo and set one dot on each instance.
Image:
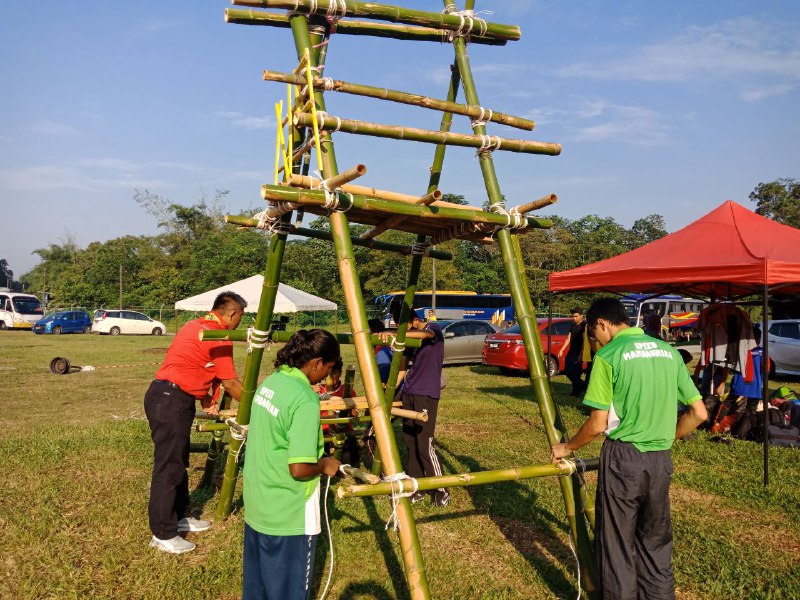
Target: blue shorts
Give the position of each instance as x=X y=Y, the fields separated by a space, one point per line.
x=277 y=567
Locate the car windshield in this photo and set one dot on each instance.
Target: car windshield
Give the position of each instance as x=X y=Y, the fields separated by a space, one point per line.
x=27 y=306
x=515 y=329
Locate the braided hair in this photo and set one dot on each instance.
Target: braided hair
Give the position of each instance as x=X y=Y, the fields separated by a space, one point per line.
x=306 y=345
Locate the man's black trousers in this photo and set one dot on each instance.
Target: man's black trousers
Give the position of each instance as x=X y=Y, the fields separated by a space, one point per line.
x=634 y=531
x=423 y=460
x=573 y=369
x=170 y=412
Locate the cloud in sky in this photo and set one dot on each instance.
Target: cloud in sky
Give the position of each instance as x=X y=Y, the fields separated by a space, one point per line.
x=49 y=127
x=237 y=119
x=728 y=49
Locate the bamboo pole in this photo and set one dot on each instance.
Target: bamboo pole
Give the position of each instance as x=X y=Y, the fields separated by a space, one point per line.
x=240 y=335
x=535 y=204
x=473 y=26
x=468 y=479
x=211 y=427
x=341 y=403
x=526 y=317
x=396 y=132
x=360 y=475
x=395 y=412
x=346 y=201
x=324 y=235
x=345 y=87
x=345 y=177
x=357 y=27
x=416 y=577
x=392 y=222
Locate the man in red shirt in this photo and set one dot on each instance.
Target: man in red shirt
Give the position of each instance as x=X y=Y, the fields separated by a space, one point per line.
x=190 y=369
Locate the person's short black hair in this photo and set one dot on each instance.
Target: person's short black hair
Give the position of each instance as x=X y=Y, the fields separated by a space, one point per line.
x=376 y=326
x=225 y=299
x=686 y=356
x=304 y=346
x=338 y=366
x=398 y=307
x=608 y=309
x=576 y=310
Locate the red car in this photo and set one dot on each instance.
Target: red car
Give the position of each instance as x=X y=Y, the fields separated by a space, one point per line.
x=507 y=350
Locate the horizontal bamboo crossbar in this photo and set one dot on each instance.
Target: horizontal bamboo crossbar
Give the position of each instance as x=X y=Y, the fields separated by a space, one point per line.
x=206 y=427
x=346 y=201
x=326 y=235
x=356 y=27
x=360 y=475
x=240 y=335
x=535 y=204
x=392 y=222
x=467 y=479
x=337 y=403
x=472 y=26
x=428 y=136
x=473 y=112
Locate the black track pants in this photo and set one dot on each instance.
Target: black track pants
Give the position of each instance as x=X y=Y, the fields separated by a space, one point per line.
x=423 y=459
x=634 y=531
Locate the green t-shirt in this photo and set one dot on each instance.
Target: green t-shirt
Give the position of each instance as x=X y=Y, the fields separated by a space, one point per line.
x=284 y=429
x=640 y=381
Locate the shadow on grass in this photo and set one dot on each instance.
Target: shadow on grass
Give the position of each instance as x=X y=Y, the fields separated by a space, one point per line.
x=504 y=503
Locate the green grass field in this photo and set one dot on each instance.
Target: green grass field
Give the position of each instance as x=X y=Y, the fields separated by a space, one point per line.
x=77 y=456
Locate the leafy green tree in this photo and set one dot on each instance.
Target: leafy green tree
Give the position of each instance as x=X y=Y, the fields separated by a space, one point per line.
x=6 y=274
x=647 y=229
x=778 y=200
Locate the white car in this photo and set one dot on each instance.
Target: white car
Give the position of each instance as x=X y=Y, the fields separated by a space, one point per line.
x=784 y=346
x=115 y=322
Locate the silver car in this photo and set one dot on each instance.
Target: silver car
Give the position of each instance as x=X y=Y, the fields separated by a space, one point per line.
x=784 y=346
x=463 y=340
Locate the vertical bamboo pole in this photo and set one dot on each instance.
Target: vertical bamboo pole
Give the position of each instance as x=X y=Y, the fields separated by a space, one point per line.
x=409 y=540
x=530 y=333
x=277 y=245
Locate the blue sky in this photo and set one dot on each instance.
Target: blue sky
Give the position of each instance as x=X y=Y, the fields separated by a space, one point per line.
x=668 y=108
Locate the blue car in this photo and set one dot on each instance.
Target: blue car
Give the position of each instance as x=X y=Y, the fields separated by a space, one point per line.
x=69 y=321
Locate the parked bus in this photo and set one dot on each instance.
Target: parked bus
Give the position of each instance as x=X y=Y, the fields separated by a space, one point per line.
x=19 y=311
x=494 y=308
x=678 y=313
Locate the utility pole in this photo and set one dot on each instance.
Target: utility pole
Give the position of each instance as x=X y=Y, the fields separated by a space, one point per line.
x=120 y=286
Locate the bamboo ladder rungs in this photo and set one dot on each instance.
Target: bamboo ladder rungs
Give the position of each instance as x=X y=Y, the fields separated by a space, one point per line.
x=337 y=403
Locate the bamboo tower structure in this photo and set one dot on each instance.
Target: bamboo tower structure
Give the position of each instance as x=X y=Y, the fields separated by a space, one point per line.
x=306 y=132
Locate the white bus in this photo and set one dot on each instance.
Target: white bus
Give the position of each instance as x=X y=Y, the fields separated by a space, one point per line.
x=19 y=311
x=678 y=314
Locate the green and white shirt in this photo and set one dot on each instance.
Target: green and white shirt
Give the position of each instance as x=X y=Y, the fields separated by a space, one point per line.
x=640 y=381
x=284 y=429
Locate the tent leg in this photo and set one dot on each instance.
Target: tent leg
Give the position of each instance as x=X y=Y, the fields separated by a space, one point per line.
x=765 y=377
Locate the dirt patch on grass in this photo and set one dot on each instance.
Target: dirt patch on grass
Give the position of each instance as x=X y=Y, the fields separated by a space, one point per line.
x=749 y=527
x=153 y=350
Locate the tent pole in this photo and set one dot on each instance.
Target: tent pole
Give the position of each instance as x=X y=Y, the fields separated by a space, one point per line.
x=549 y=335
x=765 y=377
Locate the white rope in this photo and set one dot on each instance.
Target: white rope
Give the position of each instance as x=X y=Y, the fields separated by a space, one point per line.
x=514 y=220
x=420 y=248
x=467 y=21
x=485 y=116
x=256 y=338
x=327 y=83
x=238 y=432
x=487 y=145
x=397 y=479
x=396 y=345
x=330 y=538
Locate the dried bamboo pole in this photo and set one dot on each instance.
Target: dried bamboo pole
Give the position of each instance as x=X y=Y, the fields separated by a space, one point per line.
x=345 y=87
x=395 y=412
x=535 y=204
x=413 y=562
x=211 y=427
x=357 y=27
x=526 y=317
x=341 y=403
x=393 y=222
x=473 y=26
x=469 y=479
x=360 y=475
x=345 y=177
x=324 y=235
x=396 y=132
x=277 y=193
x=240 y=335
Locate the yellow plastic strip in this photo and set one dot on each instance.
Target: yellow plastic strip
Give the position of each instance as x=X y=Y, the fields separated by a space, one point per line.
x=310 y=81
x=290 y=125
x=286 y=164
x=278 y=149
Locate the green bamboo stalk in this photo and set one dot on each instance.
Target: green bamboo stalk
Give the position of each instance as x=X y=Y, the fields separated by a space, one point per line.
x=384 y=435
x=345 y=420
x=535 y=204
x=211 y=427
x=394 y=14
x=240 y=335
x=277 y=193
x=324 y=235
x=526 y=317
x=369 y=91
x=392 y=222
x=357 y=27
x=465 y=479
x=360 y=475
x=428 y=136
x=277 y=246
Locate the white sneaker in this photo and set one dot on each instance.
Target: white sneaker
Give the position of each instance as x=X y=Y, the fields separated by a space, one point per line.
x=176 y=545
x=192 y=524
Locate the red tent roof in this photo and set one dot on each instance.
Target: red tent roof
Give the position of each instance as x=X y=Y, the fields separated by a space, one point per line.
x=729 y=252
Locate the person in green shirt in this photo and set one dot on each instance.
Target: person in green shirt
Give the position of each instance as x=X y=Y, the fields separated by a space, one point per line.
x=283 y=462
x=636 y=385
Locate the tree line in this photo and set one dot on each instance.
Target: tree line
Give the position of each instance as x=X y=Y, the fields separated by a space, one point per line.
x=194 y=251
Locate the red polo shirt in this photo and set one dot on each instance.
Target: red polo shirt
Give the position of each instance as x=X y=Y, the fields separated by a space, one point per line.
x=194 y=365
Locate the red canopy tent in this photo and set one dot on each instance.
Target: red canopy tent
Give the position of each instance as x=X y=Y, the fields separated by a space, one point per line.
x=728 y=253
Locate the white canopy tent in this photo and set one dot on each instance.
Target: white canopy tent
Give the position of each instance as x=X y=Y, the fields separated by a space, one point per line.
x=289 y=299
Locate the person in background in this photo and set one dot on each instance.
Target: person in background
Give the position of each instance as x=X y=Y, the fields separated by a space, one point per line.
x=652 y=323
x=383 y=354
x=282 y=469
x=637 y=383
x=573 y=347
x=190 y=369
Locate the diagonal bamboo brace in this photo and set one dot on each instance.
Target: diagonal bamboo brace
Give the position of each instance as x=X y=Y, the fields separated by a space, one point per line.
x=535 y=204
x=345 y=87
